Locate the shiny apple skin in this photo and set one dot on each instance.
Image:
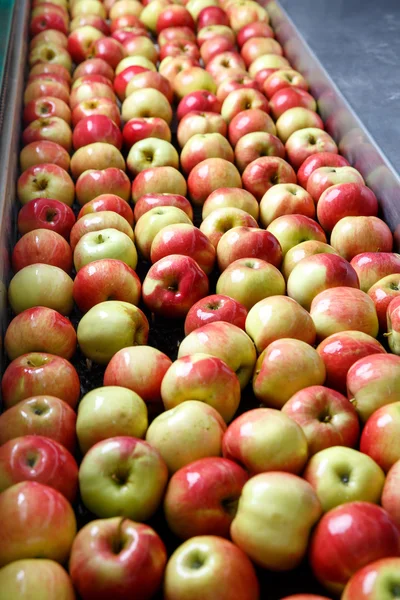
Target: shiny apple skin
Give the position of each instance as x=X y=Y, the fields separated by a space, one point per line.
x=261 y=174
x=122 y=79
x=379 y=580
x=93 y=183
x=215 y=308
x=139 y=128
x=46 y=106
x=43 y=151
x=100 y=573
x=106 y=279
x=380 y=435
x=46 y=213
x=343 y=200
x=248 y=242
x=323 y=159
x=109 y=202
x=92 y=66
x=290 y=97
x=46 y=416
x=41 y=459
x=255 y=29
x=212 y=15
x=149 y=201
x=201 y=100
x=39 y=373
x=97 y=128
x=42 y=246
x=201 y=497
x=96 y=106
x=348 y=538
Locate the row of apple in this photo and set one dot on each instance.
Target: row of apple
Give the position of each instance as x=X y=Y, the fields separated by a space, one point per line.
x=197 y=431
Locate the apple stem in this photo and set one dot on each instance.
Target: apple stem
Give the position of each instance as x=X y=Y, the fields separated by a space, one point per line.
x=388 y=334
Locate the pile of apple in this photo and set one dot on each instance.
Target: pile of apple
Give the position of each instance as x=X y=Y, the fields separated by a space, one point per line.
x=191 y=113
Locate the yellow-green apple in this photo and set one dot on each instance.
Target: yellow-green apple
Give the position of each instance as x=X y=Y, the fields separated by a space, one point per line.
x=96 y=106
x=339 y=475
x=390 y=496
x=105 y=279
x=340 y=351
x=275 y=515
x=214 y=46
x=150 y=153
x=42 y=577
x=372 y=382
x=96 y=128
x=49 y=35
x=210 y=31
x=45 y=181
x=109 y=412
x=264 y=172
x=98 y=155
x=209 y=175
x=171 y=66
x=200 y=122
x=243 y=99
x=255 y=145
x=108 y=202
x=283 y=199
x=52 y=129
x=257 y=46
x=41 y=415
x=316 y=161
x=379 y=579
x=245 y=12
x=215 y=308
x=296 y=118
x=304 y=250
x=319 y=272
x=256 y=29
x=222 y=220
x=244 y=242
x=149 y=201
x=348 y=538
x=380 y=435
x=123 y=476
x=88 y=7
x=290 y=97
x=149 y=79
x=30 y=513
x=225 y=63
x=42 y=246
x=46 y=106
x=267 y=61
x=393 y=325
x=345 y=200
x=159 y=180
x=193 y=79
x=41 y=285
x=152 y=222
x=226 y=341
x=40 y=329
x=125 y=7
x=343 y=309
x=184 y=239
x=146 y=102
x=103 y=244
x=52 y=53
x=121 y=81
x=89 y=91
x=93 y=183
x=279 y=317
x=326 y=417
x=211 y=15
x=135 y=61
x=173 y=284
x=249 y=280
x=140 y=369
x=41 y=459
x=175 y=16
x=42 y=88
x=97 y=221
x=205 y=378
x=201 y=100
x=93 y=66
x=373 y=266
x=110 y=326
x=180 y=48
x=285 y=367
x=205 y=146
x=324 y=177
x=210 y=568
x=219 y=481
x=284 y=78
x=382 y=294
x=175 y=33
x=43 y=151
x=251 y=121
x=233 y=198
x=112 y=557
x=264 y=440
x=305 y=142
x=196 y=6
x=141 y=45
x=291 y=230
x=93 y=20
x=149 y=14
x=188 y=432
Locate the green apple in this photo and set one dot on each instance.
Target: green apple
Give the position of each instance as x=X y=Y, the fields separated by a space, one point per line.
x=106 y=243
x=123 y=476
x=108 y=412
x=152 y=222
x=110 y=326
x=275 y=515
x=35 y=579
x=302 y=250
x=339 y=475
x=151 y=152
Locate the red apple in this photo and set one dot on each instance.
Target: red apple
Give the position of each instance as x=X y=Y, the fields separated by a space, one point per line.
x=184 y=239
x=373 y=266
x=90 y=19
x=315 y=161
x=158 y=180
x=49 y=20
x=45 y=213
x=97 y=128
x=248 y=242
x=175 y=16
x=290 y=97
x=39 y=373
x=124 y=21
x=373 y=581
x=212 y=15
x=256 y=145
x=92 y=66
x=231 y=197
x=255 y=29
x=257 y=46
x=108 y=202
x=40 y=89
x=41 y=459
x=201 y=100
x=122 y=79
x=215 y=308
x=80 y=41
x=105 y=279
x=149 y=201
x=242 y=99
x=42 y=246
x=175 y=33
x=93 y=183
x=380 y=435
x=96 y=106
x=215 y=46
x=150 y=79
x=306 y=142
x=49 y=35
x=141 y=128
x=46 y=106
x=266 y=171
x=108 y=49
x=382 y=293
x=205 y=146
x=200 y=122
x=210 y=31
x=324 y=177
x=180 y=48
x=284 y=78
x=48 y=128
x=343 y=200
x=248 y=121
x=326 y=417
x=44 y=151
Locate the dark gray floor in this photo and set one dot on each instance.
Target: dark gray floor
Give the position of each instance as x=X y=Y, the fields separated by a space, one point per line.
x=358 y=43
